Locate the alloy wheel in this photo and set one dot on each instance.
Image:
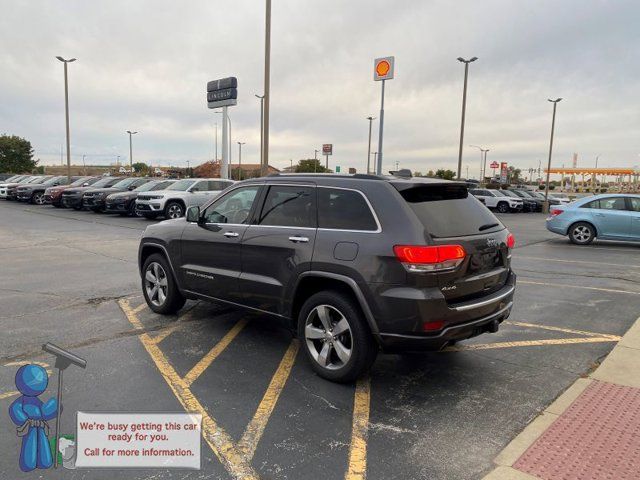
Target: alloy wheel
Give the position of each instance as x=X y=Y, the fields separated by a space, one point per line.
x=175 y=211
x=155 y=284
x=38 y=198
x=328 y=336
x=582 y=233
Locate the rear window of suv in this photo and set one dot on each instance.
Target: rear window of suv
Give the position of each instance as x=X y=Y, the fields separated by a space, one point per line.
x=340 y=209
x=449 y=211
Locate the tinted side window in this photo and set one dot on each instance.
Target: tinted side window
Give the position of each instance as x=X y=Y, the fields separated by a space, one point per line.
x=635 y=204
x=200 y=187
x=289 y=207
x=344 y=210
x=234 y=207
x=594 y=204
x=612 y=203
x=217 y=185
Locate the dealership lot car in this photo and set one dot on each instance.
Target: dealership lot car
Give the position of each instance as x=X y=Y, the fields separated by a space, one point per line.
x=95 y=197
x=173 y=202
x=72 y=197
x=10 y=190
x=606 y=217
x=496 y=199
x=35 y=192
x=53 y=195
x=125 y=202
x=351 y=263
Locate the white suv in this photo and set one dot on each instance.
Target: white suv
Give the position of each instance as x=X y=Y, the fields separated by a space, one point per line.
x=496 y=199
x=174 y=201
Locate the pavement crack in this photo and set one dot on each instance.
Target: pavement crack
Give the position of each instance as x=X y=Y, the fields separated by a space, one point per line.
x=327 y=402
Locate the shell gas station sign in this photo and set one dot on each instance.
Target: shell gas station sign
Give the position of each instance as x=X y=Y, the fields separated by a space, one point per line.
x=383 y=68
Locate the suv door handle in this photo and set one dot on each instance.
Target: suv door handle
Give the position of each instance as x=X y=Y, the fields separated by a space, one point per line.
x=297 y=239
x=231 y=234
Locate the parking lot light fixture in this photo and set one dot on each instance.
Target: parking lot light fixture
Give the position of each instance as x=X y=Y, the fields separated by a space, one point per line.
x=545 y=206
x=66 y=112
x=464 y=107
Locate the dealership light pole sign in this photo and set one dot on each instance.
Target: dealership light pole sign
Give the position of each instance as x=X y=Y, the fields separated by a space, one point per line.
x=327 y=149
x=223 y=93
x=383 y=69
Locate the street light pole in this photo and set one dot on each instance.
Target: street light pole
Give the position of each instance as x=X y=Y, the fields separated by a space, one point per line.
x=261 y=97
x=315 y=164
x=66 y=113
x=267 y=89
x=464 y=107
x=240 y=159
x=131 y=150
x=484 y=166
x=371 y=119
x=545 y=207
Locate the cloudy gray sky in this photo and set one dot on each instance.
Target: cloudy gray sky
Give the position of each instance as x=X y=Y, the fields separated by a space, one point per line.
x=144 y=65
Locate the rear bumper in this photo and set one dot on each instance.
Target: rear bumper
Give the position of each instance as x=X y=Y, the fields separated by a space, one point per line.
x=400 y=316
x=396 y=342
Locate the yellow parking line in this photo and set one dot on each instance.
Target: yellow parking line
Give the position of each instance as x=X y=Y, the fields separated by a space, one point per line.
x=220 y=442
x=614 y=338
x=139 y=308
x=249 y=441
x=8 y=394
x=575 y=261
x=529 y=343
x=563 y=285
x=165 y=333
x=219 y=347
x=357 y=468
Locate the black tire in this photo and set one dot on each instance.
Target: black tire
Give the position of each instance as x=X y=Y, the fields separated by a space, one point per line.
x=581 y=233
x=363 y=347
x=173 y=299
x=132 y=209
x=37 y=198
x=173 y=210
x=503 y=207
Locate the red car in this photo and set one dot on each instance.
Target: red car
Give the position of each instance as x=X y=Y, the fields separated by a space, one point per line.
x=53 y=195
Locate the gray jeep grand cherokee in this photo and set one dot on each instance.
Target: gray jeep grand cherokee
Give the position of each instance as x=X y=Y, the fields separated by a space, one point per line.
x=354 y=264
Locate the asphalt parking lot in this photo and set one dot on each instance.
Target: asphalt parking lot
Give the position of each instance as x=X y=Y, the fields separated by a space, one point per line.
x=71 y=278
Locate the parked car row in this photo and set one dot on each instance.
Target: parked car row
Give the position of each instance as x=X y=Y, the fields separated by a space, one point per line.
x=135 y=196
x=516 y=200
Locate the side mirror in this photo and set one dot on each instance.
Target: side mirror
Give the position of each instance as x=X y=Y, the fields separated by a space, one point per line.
x=193 y=214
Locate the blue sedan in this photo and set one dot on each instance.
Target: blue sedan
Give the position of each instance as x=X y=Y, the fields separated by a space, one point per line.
x=606 y=216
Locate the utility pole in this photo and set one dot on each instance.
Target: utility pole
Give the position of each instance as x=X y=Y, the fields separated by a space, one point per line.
x=240 y=159
x=484 y=166
x=66 y=112
x=545 y=208
x=267 y=89
x=464 y=107
x=131 y=150
x=371 y=119
x=261 y=97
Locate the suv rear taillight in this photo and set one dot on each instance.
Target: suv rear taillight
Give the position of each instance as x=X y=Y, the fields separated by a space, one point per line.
x=511 y=241
x=419 y=259
x=555 y=212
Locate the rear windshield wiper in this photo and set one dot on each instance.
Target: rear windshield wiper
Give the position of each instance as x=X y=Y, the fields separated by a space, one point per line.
x=488 y=226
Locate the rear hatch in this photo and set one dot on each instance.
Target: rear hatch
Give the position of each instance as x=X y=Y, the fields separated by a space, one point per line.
x=453 y=217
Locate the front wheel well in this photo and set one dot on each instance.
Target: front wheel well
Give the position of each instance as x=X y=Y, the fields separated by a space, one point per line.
x=149 y=250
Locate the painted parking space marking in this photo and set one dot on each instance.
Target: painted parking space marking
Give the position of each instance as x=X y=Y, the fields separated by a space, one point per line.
x=563 y=285
x=216 y=437
x=615 y=338
x=357 y=467
x=249 y=441
x=546 y=259
x=218 y=348
x=237 y=457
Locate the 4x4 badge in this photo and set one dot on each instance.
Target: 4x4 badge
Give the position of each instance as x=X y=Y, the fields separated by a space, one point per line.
x=492 y=242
